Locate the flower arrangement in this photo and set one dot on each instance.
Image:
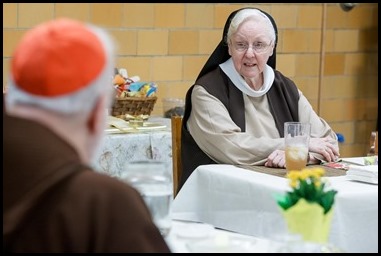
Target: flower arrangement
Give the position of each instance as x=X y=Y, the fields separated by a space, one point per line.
x=307 y=207
x=307 y=184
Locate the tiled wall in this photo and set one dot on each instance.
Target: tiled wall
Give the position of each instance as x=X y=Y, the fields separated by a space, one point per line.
x=332 y=55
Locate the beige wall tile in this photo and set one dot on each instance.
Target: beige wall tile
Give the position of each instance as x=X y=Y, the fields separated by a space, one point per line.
x=314 y=40
x=362 y=131
x=360 y=17
x=334 y=64
x=9 y=15
x=369 y=85
x=328 y=41
x=208 y=40
x=179 y=88
x=336 y=87
x=126 y=41
x=167 y=68
x=346 y=129
x=336 y=17
x=327 y=107
x=371 y=107
x=169 y=15
x=309 y=87
x=285 y=15
x=355 y=109
x=286 y=64
x=199 y=15
x=79 y=11
x=176 y=89
x=295 y=40
x=106 y=15
x=193 y=66
x=301 y=40
x=137 y=66
x=352 y=150
x=307 y=65
x=310 y=16
x=346 y=40
x=183 y=42
x=33 y=14
x=222 y=12
x=152 y=42
x=138 y=15
x=11 y=39
x=279 y=46
x=355 y=63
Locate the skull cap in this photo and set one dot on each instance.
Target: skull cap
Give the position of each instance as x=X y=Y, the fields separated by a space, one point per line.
x=57 y=58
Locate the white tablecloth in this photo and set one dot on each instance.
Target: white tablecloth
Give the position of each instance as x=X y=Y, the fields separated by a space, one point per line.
x=178 y=242
x=243 y=201
x=118 y=149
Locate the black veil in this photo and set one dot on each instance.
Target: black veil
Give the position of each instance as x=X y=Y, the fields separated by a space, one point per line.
x=221 y=53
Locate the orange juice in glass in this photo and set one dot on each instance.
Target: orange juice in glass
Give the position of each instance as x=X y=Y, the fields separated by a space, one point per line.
x=296 y=139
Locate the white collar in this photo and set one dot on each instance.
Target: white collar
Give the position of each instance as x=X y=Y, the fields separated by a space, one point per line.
x=268 y=79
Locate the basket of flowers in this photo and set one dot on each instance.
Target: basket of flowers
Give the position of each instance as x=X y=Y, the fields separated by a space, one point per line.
x=133 y=98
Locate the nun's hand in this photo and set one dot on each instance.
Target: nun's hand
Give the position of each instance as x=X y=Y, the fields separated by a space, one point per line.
x=276 y=159
x=327 y=147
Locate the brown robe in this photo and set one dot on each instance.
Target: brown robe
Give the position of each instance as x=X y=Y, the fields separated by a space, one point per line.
x=283 y=99
x=52 y=203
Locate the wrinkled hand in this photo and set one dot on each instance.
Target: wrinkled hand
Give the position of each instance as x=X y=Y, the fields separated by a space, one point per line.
x=276 y=159
x=326 y=147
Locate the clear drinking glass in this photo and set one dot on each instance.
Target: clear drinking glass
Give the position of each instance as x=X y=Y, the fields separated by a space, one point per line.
x=296 y=139
x=153 y=179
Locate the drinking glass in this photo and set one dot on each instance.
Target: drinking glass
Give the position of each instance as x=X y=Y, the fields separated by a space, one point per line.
x=153 y=180
x=296 y=139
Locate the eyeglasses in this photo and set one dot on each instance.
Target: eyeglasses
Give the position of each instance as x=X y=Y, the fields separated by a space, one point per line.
x=258 y=47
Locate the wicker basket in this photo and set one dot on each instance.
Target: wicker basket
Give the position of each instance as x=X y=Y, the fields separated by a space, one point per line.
x=133 y=105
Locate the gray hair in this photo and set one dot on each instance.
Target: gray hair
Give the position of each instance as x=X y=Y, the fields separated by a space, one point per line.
x=81 y=101
x=250 y=14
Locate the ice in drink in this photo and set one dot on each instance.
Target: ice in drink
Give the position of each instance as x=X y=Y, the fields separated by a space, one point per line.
x=296 y=139
x=296 y=157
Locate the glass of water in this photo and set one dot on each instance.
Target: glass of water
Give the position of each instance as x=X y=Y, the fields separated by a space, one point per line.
x=153 y=179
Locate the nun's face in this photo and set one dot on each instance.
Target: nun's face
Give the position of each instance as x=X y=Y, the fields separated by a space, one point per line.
x=250 y=48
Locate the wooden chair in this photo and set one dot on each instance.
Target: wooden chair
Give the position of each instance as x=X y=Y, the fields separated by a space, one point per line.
x=176 y=151
x=373 y=143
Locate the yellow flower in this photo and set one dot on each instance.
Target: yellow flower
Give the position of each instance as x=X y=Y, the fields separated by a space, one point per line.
x=309 y=185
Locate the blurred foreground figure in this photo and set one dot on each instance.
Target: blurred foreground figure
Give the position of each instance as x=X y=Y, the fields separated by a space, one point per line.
x=56 y=103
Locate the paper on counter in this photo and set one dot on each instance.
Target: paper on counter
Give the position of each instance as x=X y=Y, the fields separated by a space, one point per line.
x=368 y=173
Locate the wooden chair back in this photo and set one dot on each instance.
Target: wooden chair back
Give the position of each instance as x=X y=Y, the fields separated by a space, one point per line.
x=176 y=122
x=373 y=143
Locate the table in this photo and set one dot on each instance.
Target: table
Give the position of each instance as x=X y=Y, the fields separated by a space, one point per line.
x=243 y=201
x=118 y=149
x=180 y=244
x=185 y=237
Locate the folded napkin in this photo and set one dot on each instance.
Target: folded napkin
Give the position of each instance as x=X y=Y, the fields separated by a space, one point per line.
x=117 y=122
x=367 y=173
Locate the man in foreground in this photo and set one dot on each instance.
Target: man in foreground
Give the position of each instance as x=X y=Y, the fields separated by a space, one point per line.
x=59 y=89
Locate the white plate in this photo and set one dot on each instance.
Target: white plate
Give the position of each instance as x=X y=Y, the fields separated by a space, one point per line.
x=223 y=243
x=147 y=126
x=194 y=230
